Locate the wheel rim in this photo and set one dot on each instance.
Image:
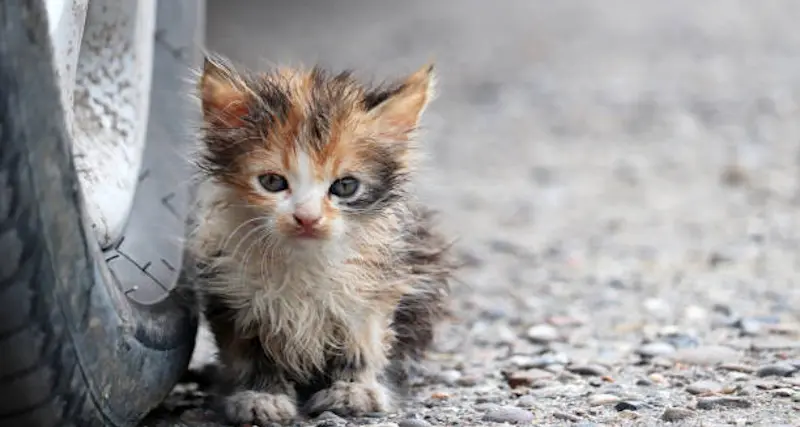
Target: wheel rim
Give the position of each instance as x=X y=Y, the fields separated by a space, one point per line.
x=104 y=54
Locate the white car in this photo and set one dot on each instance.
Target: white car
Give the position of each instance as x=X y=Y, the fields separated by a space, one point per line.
x=95 y=117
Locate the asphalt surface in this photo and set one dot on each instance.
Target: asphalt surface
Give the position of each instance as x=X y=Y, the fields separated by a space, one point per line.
x=623 y=178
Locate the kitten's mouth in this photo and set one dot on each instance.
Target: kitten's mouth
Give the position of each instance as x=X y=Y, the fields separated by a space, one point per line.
x=308 y=234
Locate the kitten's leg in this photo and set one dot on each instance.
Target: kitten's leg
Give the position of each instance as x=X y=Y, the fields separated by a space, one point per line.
x=253 y=390
x=261 y=398
x=259 y=407
x=357 y=379
x=359 y=394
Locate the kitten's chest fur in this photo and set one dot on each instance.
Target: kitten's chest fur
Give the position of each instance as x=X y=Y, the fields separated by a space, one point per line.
x=306 y=311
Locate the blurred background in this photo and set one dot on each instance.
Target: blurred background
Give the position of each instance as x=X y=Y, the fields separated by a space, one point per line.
x=619 y=174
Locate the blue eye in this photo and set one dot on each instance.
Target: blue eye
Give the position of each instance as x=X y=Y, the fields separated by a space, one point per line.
x=344 y=187
x=273 y=183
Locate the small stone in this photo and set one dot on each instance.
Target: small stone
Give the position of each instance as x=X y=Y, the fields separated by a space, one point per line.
x=737 y=367
x=766 y=384
x=780 y=369
x=449 y=377
x=527 y=401
x=654 y=349
x=679 y=340
x=328 y=415
x=658 y=307
x=662 y=362
x=775 y=343
x=629 y=405
x=796 y=397
x=644 y=382
x=468 y=381
x=526 y=378
x=738 y=376
x=704 y=387
x=438 y=395
x=731 y=389
x=706 y=355
x=588 y=370
x=413 y=422
x=782 y=392
x=676 y=414
x=750 y=326
x=657 y=378
x=543 y=333
x=602 y=399
x=508 y=414
x=566 y=417
x=723 y=402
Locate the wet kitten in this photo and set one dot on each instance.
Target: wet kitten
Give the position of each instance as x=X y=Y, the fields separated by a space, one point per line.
x=324 y=278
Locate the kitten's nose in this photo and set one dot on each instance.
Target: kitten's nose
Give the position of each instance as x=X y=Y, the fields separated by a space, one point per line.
x=306 y=220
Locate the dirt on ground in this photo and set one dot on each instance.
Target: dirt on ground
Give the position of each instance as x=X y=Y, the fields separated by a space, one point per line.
x=623 y=179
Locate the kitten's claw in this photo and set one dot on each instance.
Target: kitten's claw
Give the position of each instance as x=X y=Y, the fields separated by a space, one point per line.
x=350 y=398
x=252 y=407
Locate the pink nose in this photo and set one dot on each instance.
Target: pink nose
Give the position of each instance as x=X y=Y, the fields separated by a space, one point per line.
x=306 y=221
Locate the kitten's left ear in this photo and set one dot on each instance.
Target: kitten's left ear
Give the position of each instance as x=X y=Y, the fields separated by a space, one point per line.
x=224 y=97
x=399 y=113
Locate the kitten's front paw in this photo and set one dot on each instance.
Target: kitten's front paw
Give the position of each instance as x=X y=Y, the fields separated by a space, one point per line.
x=350 y=398
x=252 y=407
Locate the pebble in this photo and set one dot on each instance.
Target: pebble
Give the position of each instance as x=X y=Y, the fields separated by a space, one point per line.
x=329 y=416
x=766 y=384
x=468 y=381
x=412 y=422
x=679 y=340
x=629 y=405
x=449 y=377
x=775 y=343
x=527 y=401
x=654 y=349
x=602 y=399
x=706 y=355
x=676 y=414
x=543 y=361
x=565 y=417
x=750 y=326
x=737 y=367
x=657 y=378
x=776 y=370
x=704 y=387
x=723 y=402
x=526 y=378
x=508 y=414
x=543 y=333
x=594 y=370
x=796 y=397
x=782 y=392
x=738 y=376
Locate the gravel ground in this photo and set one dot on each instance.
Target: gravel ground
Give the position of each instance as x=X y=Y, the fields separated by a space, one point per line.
x=623 y=176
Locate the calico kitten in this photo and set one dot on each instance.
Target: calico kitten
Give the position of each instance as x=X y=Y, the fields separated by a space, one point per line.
x=324 y=278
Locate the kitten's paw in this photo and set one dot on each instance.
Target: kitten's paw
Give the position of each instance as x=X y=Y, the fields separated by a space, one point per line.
x=252 y=407
x=350 y=398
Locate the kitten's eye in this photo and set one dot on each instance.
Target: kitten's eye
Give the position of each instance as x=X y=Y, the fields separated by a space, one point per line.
x=273 y=183
x=344 y=187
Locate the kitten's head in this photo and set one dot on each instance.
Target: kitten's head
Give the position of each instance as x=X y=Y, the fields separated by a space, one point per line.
x=315 y=155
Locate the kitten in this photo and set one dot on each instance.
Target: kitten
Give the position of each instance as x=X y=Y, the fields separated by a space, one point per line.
x=324 y=278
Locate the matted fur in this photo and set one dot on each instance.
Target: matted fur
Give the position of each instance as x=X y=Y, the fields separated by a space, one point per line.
x=302 y=318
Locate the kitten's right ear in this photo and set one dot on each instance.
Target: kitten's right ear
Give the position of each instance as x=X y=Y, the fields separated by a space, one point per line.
x=223 y=94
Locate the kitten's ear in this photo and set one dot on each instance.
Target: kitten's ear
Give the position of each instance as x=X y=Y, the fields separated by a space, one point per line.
x=224 y=99
x=398 y=114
